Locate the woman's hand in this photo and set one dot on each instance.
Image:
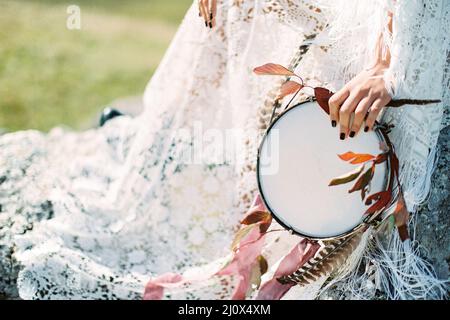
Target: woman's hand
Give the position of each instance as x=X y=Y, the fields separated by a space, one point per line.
x=362 y=99
x=359 y=101
x=207 y=10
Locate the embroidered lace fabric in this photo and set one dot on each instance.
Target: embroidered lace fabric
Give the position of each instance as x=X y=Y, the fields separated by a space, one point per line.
x=96 y=214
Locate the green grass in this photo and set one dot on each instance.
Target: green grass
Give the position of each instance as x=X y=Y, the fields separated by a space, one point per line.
x=50 y=75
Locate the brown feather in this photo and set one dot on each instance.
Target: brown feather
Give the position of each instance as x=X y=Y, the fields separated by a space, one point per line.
x=329 y=258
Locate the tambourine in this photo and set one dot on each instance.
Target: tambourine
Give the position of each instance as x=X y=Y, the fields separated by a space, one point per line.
x=296 y=160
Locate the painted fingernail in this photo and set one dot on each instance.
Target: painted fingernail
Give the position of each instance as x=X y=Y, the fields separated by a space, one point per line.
x=342 y=136
x=333 y=123
x=366 y=129
x=352 y=134
x=206 y=24
x=210 y=25
x=210 y=16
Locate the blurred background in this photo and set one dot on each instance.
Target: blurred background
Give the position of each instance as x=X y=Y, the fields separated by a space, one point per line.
x=50 y=75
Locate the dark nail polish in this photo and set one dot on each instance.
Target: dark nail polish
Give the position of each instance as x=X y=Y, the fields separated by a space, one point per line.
x=210 y=25
x=206 y=24
x=366 y=129
x=342 y=136
x=210 y=16
x=333 y=123
x=352 y=134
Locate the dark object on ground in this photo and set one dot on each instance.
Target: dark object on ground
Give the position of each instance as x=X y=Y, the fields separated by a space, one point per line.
x=108 y=114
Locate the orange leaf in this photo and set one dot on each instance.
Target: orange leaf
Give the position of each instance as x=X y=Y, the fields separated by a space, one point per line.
x=289 y=87
x=323 y=96
x=347 y=156
x=361 y=158
x=273 y=70
x=382 y=200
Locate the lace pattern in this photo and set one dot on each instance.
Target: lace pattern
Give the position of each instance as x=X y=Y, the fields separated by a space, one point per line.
x=95 y=214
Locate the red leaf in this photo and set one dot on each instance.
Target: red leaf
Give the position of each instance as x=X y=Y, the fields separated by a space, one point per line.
x=394 y=163
x=323 y=96
x=401 y=213
x=364 y=180
x=256 y=216
x=288 y=88
x=382 y=200
x=347 y=156
x=265 y=225
x=273 y=69
x=382 y=157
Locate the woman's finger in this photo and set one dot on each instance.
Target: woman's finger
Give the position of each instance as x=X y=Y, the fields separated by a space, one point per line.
x=335 y=103
x=345 y=112
x=374 y=111
x=213 y=12
x=360 y=114
x=203 y=11
x=207 y=13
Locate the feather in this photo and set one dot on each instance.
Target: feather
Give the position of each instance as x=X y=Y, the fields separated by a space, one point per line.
x=331 y=256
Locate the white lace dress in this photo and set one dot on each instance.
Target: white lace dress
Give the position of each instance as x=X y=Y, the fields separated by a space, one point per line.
x=97 y=214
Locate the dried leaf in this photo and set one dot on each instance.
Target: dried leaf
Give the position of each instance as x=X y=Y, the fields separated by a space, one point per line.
x=289 y=87
x=255 y=217
x=323 y=96
x=265 y=224
x=347 y=156
x=263 y=265
x=254 y=279
x=364 y=180
x=394 y=163
x=381 y=199
x=401 y=213
x=361 y=158
x=402 y=102
x=364 y=192
x=273 y=69
x=382 y=157
x=348 y=177
x=240 y=235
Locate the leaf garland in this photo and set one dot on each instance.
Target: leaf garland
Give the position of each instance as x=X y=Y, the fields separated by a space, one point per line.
x=322 y=95
x=363 y=181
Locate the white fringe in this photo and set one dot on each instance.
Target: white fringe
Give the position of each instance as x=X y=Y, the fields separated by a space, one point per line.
x=392 y=270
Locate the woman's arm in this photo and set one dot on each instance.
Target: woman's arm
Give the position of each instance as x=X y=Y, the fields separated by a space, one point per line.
x=363 y=97
x=415 y=68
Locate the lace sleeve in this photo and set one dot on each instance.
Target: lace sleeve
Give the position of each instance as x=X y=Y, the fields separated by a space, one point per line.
x=419 y=49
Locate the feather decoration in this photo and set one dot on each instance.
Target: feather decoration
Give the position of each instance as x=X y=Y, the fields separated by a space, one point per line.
x=332 y=255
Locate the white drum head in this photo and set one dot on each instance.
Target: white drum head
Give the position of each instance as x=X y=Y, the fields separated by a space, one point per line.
x=297 y=160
